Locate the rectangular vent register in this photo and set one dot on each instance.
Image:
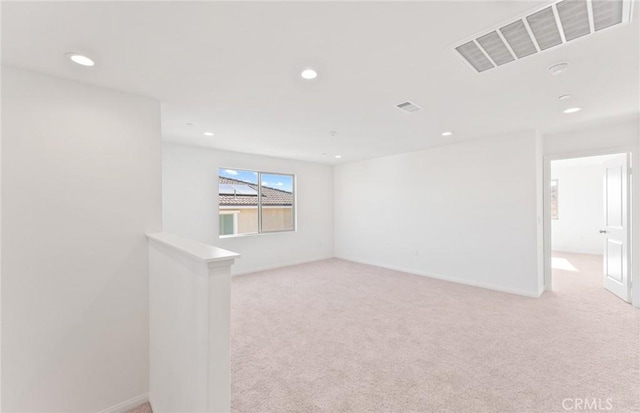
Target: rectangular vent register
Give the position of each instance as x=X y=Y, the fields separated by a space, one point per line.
x=551 y=26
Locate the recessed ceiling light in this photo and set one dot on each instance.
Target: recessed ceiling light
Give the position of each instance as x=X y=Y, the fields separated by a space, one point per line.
x=564 y=97
x=447 y=133
x=572 y=110
x=80 y=59
x=208 y=134
x=558 y=69
x=309 y=74
x=338 y=156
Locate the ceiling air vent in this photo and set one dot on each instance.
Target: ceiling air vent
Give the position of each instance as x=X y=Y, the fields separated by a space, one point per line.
x=518 y=38
x=408 y=107
x=606 y=13
x=575 y=18
x=547 y=27
x=495 y=48
x=544 y=28
x=474 y=56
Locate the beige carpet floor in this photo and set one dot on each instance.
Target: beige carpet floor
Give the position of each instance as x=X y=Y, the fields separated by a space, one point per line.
x=143 y=408
x=335 y=336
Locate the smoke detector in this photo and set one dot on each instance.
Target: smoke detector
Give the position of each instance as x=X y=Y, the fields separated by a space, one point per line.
x=544 y=28
x=560 y=68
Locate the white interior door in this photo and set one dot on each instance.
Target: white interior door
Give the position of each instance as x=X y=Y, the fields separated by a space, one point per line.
x=616 y=235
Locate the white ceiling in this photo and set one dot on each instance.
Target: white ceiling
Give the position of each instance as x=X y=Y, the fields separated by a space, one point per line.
x=233 y=68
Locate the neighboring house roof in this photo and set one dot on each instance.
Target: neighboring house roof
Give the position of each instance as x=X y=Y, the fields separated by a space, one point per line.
x=270 y=196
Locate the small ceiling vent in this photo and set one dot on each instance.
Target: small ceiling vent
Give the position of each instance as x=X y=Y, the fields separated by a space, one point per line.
x=409 y=107
x=550 y=26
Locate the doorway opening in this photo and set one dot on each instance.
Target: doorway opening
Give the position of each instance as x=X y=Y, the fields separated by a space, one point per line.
x=588 y=203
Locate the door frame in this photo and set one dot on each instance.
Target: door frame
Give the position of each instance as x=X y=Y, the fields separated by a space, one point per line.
x=633 y=204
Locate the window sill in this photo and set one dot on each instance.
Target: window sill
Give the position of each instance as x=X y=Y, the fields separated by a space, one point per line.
x=254 y=234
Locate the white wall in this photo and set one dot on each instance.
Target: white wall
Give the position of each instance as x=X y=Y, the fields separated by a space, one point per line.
x=581 y=208
x=81 y=182
x=465 y=212
x=190 y=206
x=613 y=134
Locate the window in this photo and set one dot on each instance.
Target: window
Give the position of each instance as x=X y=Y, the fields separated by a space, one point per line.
x=253 y=202
x=228 y=222
x=554 y=199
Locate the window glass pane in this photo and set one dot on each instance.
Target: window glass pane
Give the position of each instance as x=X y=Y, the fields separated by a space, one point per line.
x=238 y=201
x=226 y=224
x=277 y=202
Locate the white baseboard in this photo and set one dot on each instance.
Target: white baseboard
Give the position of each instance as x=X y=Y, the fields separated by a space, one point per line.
x=127 y=405
x=535 y=294
x=541 y=291
x=499 y=288
x=275 y=267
